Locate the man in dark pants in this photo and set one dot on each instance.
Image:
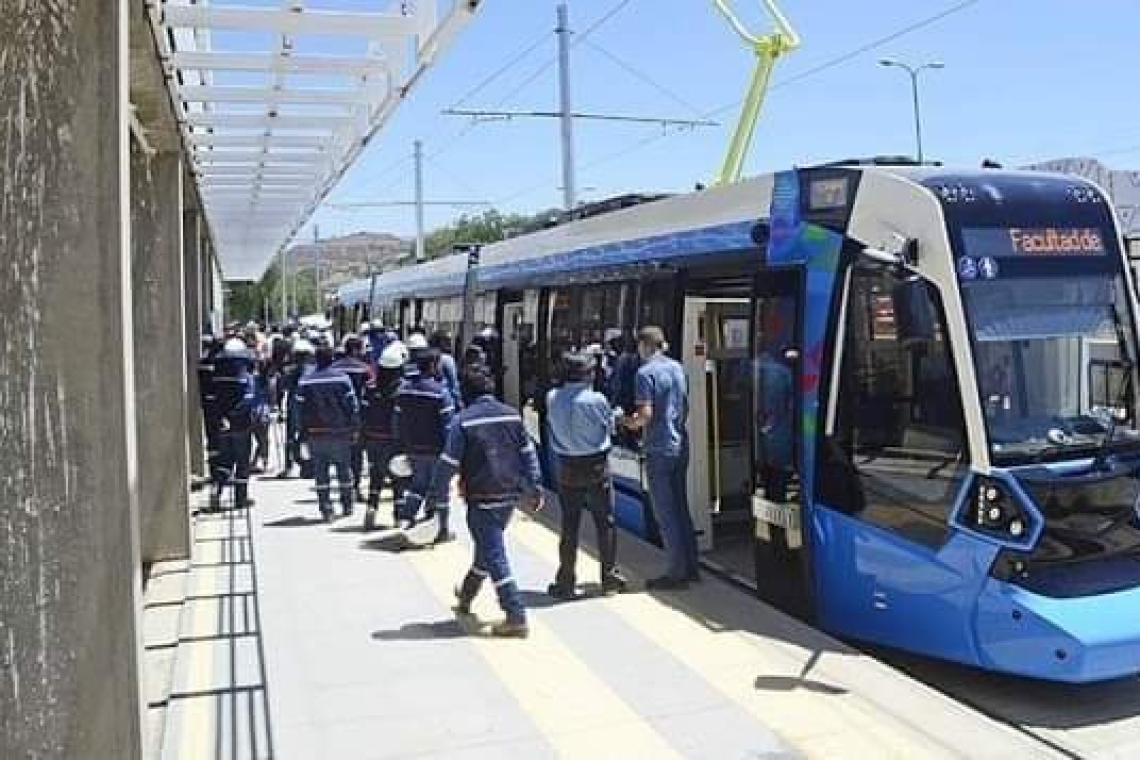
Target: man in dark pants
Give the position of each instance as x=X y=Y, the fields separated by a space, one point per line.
x=236 y=397
x=359 y=372
x=662 y=412
x=207 y=396
x=580 y=424
x=329 y=418
x=378 y=426
x=423 y=414
x=498 y=472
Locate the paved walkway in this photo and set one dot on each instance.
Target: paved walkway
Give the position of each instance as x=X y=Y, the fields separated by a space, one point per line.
x=363 y=659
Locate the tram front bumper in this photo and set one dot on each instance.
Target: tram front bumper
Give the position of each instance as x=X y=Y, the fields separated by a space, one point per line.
x=1078 y=640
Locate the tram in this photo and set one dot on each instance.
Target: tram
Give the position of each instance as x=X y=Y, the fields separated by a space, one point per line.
x=912 y=394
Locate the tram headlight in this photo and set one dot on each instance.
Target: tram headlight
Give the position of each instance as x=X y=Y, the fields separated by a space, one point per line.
x=997 y=513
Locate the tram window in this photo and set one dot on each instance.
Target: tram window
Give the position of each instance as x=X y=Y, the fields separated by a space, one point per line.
x=1107 y=387
x=897 y=455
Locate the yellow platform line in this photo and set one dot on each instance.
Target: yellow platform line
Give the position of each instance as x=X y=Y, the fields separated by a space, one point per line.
x=575 y=710
x=812 y=718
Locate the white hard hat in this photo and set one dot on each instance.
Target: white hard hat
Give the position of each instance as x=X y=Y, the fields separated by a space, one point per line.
x=235 y=346
x=417 y=341
x=365 y=327
x=394 y=355
x=303 y=346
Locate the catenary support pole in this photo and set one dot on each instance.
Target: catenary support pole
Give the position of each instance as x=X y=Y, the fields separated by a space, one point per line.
x=418 y=155
x=569 y=189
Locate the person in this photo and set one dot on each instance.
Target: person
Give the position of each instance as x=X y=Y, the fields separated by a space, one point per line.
x=236 y=397
x=775 y=419
x=662 y=408
x=359 y=372
x=448 y=370
x=378 y=427
x=299 y=367
x=423 y=414
x=498 y=472
x=579 y=425
x=329 y=419
x=208 y=398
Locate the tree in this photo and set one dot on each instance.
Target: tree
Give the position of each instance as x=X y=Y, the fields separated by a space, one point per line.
x=488 y=227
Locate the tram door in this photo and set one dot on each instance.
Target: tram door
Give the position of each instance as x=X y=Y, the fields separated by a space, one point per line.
x=512 y=353
x=716 y=359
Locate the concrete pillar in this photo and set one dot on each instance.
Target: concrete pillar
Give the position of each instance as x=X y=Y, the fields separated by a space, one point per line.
x=160 y=347
x=69 y=560
x=192 y=285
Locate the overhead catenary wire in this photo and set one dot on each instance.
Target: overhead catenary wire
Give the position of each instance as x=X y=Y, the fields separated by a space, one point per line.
x=794 y=79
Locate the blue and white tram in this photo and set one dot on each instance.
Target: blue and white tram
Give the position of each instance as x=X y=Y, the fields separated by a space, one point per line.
x=913 y=407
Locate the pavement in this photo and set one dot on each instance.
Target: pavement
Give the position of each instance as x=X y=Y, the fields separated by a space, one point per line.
x=304 y=640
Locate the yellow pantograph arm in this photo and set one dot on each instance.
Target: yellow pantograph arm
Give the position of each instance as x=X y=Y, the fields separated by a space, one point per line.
x=768 y=48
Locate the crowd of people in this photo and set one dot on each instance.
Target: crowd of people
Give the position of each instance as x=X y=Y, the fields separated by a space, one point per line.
x=423 y=421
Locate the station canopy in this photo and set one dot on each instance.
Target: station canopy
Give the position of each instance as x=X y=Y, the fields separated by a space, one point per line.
x=277 y=98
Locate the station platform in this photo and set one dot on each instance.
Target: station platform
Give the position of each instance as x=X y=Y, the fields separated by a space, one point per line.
x=303 y=640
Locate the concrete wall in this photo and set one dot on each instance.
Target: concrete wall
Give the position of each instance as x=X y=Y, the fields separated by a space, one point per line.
x=69 y=563
x=160 y=348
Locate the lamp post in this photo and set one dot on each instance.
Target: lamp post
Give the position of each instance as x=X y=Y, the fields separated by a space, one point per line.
x=913 y=71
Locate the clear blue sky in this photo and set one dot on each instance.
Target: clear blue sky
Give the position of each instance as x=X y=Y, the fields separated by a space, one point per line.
x=1024 y=80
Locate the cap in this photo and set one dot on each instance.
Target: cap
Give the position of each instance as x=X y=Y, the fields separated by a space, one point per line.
x=235 y=346
x=417 y=341
x=578 y=366
x=303 y=346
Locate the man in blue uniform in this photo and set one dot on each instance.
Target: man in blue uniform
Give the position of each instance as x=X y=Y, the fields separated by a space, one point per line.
x=208 y=398
x=662 y=412
x=378 y=426
x=235 y=396
x=329 y=417
x=359 y=372
x=579 y=425
x=423 y=413
x=498 y=472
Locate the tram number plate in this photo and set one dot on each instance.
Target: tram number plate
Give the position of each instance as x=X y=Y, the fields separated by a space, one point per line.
x=786 y=516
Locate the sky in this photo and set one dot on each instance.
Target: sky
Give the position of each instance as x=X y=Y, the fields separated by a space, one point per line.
x=1024 y=80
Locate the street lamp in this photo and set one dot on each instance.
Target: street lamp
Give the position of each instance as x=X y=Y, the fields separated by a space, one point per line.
x=913 y=71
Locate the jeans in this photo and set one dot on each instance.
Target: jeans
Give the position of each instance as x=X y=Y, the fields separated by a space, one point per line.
x=597 y=499
x=487 y=527
x=668 y=496
x=232 y=464
x=417 y=486
x=334 y=452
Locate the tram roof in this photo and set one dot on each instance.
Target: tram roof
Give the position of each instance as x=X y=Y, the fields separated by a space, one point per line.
x=716 y=219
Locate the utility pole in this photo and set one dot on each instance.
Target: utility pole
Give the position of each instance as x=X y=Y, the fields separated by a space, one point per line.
x=281 y=281
x=569 y=192
x=418 y=156
x=317 y=264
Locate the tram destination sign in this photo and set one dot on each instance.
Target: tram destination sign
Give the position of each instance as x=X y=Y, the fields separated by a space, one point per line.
x=1008 y=242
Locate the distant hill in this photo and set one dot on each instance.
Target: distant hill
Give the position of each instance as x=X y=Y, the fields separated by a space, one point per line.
x=342 y=259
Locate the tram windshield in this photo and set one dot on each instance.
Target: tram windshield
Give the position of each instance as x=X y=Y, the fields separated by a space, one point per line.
x=1054 y=355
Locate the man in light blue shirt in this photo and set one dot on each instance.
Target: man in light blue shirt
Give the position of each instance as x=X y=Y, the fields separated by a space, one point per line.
x=580 y=423
x=662 y=401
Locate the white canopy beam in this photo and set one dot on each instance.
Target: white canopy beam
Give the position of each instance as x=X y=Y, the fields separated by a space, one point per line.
x=289 y=22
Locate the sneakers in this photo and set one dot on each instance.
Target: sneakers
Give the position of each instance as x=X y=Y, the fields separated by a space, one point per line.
x=614 y=584
x=510 y=629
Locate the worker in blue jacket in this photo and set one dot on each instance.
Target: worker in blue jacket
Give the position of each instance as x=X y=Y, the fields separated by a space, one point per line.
x=235 y=398
x=423 y=413
x=359 y=372
x=329 y=419
x=378 y=427
x=498 y=471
